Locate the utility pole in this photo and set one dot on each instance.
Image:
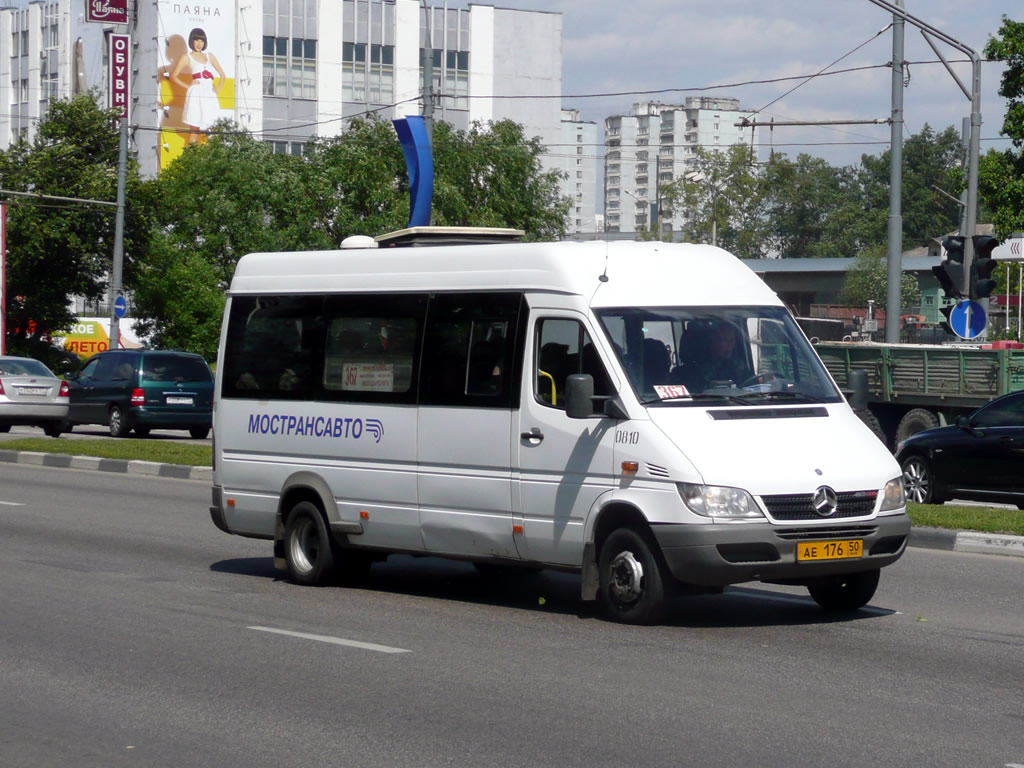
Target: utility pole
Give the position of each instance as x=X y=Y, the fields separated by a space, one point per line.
x=974 y=145
x=428 y=74
x=894 y=272
x=115 y=280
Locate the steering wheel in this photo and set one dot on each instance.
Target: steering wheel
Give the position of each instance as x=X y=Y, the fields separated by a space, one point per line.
x=759 y=379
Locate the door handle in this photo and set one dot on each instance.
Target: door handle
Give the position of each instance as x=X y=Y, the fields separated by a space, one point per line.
x=533 y=434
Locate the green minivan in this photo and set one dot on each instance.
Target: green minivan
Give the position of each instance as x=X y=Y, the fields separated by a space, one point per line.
x=142 y=389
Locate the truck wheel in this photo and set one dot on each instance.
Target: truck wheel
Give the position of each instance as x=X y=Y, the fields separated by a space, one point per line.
x=308 y=547
x=873 y=424
x=919 y=481
x=632 y=580
x=914 y=421
x=847 y=592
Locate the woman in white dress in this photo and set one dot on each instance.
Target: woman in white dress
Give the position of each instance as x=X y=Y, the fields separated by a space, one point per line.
x=202 y=107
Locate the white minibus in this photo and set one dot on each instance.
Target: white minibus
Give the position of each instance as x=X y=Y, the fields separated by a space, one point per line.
x=646 y=414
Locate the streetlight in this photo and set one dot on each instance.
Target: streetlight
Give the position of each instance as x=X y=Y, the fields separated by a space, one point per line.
x=644 y=203
x=699 y=176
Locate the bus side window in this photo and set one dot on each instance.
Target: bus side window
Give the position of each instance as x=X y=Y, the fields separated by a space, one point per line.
x=468 y=350
x=564 y=347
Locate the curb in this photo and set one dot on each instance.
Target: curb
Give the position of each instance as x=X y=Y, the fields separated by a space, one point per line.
x=123 y=466
x=921 y=537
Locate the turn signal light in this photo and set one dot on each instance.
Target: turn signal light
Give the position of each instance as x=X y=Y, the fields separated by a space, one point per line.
x=138 y=396
x=630 y=467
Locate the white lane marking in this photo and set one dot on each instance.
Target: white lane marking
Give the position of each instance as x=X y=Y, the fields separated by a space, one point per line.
x=11 y=503
x=334 y=640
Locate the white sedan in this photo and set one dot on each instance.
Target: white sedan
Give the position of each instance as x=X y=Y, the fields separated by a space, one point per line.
x=31 y=394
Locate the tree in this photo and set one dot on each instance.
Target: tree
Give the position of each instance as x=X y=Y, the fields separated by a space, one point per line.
x=60 y=250
x=868 y=279
x=232 y=195
x=1001 y=174
x=721 y=202
x=930 y=161
x=218 y=201
x=489 y=176
x=815 y=210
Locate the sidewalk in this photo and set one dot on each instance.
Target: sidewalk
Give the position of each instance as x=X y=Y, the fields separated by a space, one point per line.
x=928 y=538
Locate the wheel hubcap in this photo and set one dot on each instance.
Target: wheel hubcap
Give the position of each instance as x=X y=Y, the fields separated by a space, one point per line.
x=115 y=421
x=305 y=546
x=915 y=477
x=627 y=578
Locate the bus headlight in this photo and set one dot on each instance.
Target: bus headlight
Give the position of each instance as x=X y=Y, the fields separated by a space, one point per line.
x=718 y=501
x=894 y=496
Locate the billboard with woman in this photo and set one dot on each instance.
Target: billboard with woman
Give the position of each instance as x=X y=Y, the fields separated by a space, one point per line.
x=196 y=71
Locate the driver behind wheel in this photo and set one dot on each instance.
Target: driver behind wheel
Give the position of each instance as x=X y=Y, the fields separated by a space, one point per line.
x=714 y=357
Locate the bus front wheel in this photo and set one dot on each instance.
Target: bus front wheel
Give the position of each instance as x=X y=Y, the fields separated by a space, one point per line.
x=632 y=579
x=308 y=547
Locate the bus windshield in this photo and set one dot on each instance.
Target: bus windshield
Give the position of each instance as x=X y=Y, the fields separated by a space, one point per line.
x=688 y=355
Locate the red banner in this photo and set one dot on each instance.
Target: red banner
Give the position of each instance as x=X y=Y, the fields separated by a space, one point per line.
x=107 y=11
x=120 y=87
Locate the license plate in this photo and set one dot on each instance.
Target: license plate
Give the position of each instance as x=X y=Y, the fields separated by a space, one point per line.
x=32 y=390
x=171 y=400
x=829 y=550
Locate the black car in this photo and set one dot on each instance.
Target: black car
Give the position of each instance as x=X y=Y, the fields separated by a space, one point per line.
x=980 y=458
x=136 y=389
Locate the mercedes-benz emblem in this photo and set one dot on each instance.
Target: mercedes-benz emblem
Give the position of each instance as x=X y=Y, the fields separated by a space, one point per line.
x=825 y=501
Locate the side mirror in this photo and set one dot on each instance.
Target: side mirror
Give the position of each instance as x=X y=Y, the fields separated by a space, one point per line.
x=964 y=422
x=71 y=376
x=579 y=396
x=858 y=381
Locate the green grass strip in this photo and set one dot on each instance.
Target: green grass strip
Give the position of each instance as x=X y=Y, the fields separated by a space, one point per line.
x=984 y=519
x=162 y=451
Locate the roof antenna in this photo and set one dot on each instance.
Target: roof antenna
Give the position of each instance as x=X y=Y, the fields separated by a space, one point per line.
x=604 y=275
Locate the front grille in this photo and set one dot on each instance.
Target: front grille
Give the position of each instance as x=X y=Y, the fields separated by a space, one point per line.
x=799 y=506
x=827 y=532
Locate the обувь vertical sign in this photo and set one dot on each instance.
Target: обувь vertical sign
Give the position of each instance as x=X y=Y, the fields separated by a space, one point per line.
x=119 y=85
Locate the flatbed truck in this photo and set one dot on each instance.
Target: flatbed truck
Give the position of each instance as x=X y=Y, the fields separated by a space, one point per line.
x=912 y=387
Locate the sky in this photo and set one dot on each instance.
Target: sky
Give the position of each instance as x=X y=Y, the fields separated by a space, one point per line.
x=621 y=46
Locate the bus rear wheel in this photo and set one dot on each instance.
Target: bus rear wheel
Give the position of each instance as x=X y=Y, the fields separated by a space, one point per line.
x=309 y=549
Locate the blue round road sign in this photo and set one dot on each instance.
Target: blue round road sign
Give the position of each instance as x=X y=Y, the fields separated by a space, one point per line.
x=968 y=320
x=120 y=306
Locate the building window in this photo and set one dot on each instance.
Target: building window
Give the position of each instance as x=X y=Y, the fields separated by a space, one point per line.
x=368 y=73
x=289 y=67
x=295 y=148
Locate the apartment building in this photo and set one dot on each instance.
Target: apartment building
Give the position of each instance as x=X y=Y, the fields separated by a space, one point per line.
x=651 y=147
x=578 y=153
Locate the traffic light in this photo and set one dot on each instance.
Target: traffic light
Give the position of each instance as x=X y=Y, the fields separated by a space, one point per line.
x=950 y=273
x=946 y=311
x=982 y=266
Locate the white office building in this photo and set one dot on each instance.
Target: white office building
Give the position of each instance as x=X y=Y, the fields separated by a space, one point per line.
x=287 y=70
x=654 y=145
x=577 y=154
